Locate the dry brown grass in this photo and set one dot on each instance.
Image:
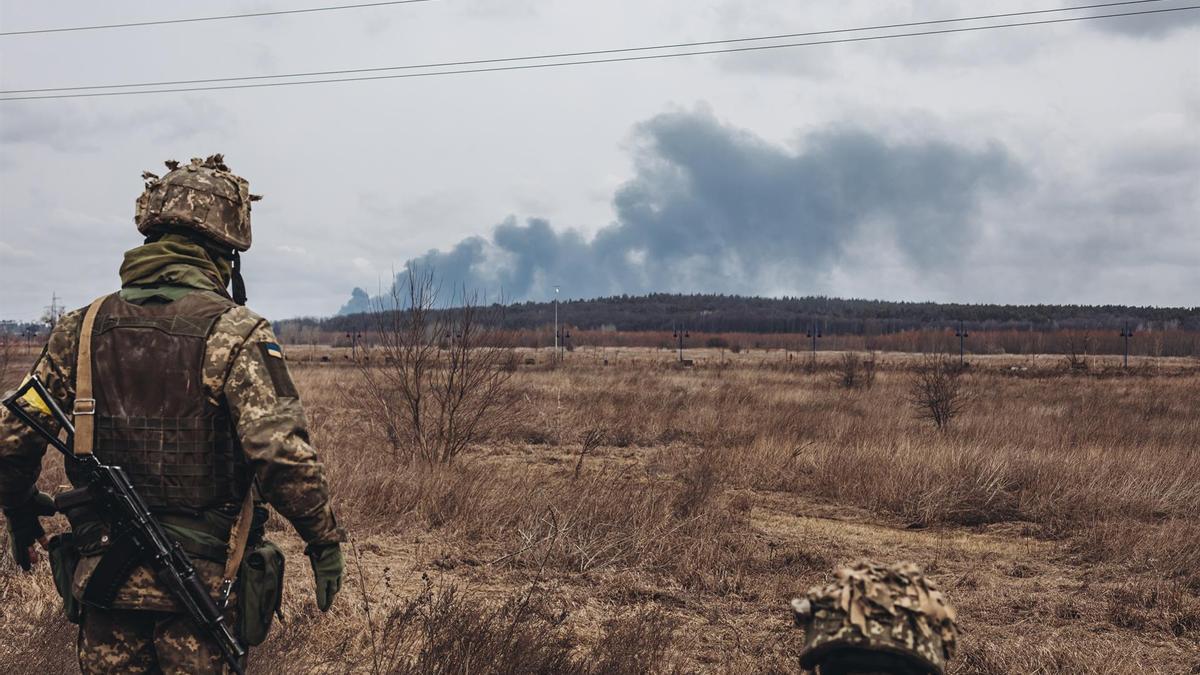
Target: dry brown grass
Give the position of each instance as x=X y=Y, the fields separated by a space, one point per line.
x=639 y=517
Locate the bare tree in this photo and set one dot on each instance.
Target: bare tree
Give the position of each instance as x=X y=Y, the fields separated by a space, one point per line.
x=439 y=379
x=1076 y=361
x=937 y=392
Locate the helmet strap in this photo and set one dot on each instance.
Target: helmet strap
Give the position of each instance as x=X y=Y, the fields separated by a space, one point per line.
x=239 y=284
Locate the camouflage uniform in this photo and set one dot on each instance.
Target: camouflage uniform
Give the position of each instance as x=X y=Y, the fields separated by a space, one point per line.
x=243 y=371
x=876 y=619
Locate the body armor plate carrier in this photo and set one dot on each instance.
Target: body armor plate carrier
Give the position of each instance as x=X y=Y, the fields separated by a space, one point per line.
x=153 y=416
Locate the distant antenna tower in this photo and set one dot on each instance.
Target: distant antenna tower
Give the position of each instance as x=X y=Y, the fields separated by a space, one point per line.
x=53 y=312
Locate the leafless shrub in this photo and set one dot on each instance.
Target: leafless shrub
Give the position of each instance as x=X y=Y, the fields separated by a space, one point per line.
x=701 y=482
x=856 y=372
x=937 y=391
x=442 y=631
x=1148 y=606
x=636 y=642
x=592 y=437
x=443 y=380
x=1076 y=361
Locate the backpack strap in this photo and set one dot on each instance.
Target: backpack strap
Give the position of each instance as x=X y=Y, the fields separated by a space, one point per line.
x=84 y=412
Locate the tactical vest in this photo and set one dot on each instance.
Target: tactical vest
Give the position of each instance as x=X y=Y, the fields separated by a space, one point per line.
x=153 y=417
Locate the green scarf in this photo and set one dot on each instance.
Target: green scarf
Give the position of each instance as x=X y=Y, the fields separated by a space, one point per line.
x=172 y=267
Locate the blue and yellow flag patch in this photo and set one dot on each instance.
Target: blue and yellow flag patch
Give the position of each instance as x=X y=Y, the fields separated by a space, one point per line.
x=272 y=355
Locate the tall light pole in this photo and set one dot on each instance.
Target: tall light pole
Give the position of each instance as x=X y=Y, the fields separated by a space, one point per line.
x=556 y=322
x=1126 y=333
x=962 y=335
x=679 y=334
x=354 y=337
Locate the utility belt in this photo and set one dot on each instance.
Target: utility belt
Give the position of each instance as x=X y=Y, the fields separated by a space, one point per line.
x=259 y=578
x=94 y=536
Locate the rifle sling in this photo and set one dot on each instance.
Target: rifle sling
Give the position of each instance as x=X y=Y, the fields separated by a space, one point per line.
x=85 y=402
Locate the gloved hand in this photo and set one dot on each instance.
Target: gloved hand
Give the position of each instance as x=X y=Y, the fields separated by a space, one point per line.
x=24 y=528
x=327 y=567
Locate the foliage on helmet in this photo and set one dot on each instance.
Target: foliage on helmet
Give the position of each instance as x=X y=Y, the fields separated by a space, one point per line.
x=887 y=609
x=203 y=195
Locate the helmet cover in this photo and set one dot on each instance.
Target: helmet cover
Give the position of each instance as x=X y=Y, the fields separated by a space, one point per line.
x=203 y=196
x=875 y=608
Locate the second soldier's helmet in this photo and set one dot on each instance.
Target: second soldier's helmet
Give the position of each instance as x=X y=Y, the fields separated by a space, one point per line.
x=202 y=195
x=891 y=614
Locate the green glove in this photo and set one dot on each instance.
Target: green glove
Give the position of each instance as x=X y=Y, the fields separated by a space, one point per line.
x=24 y=528
x=327 y=567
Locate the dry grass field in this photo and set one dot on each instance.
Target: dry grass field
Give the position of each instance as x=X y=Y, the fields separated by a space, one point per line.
x=636 y=516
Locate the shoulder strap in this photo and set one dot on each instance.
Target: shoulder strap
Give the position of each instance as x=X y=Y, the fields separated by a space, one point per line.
x=85 y=404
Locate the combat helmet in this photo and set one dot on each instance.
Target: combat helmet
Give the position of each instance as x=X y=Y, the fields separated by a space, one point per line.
x=203 y=196
x=882 y=618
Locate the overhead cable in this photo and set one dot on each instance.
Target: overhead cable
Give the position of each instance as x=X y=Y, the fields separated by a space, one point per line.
x=535 y=57
x=132 y=24
x=560 y=64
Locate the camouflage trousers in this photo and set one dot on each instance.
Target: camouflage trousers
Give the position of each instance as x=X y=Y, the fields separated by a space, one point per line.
x=142 y=641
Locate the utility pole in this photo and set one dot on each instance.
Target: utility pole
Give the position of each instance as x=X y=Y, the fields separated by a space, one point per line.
x=679 y=335
x=354 y=337
x=563 y=339
x=556 y=322
x=814 y=333
x=962 y=335
x=1126 y=333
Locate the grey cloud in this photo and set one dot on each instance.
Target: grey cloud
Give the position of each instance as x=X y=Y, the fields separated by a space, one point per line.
x=65 y=127
x=716 y=208
x=1149 y=26
x=1155 y=156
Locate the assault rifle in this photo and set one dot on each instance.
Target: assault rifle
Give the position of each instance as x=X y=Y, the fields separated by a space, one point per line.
x=114 y=496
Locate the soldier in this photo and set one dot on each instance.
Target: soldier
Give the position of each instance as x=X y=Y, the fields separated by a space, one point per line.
x=876 y=620
x=188 y=390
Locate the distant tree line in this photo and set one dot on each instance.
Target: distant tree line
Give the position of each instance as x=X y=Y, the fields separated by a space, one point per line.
x=715 y=314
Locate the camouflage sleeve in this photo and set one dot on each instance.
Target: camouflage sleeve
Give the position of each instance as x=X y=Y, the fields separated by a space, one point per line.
x=270 y=423
x=21 y=449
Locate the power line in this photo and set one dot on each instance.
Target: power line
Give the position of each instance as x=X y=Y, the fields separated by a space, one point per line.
x=511 y=59
x=162 y=22
x=559 y=64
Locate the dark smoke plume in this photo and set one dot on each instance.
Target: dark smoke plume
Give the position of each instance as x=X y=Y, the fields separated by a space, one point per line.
x=712 y=208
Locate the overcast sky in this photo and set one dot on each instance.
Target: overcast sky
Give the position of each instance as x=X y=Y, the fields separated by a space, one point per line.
x=1042 y=164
